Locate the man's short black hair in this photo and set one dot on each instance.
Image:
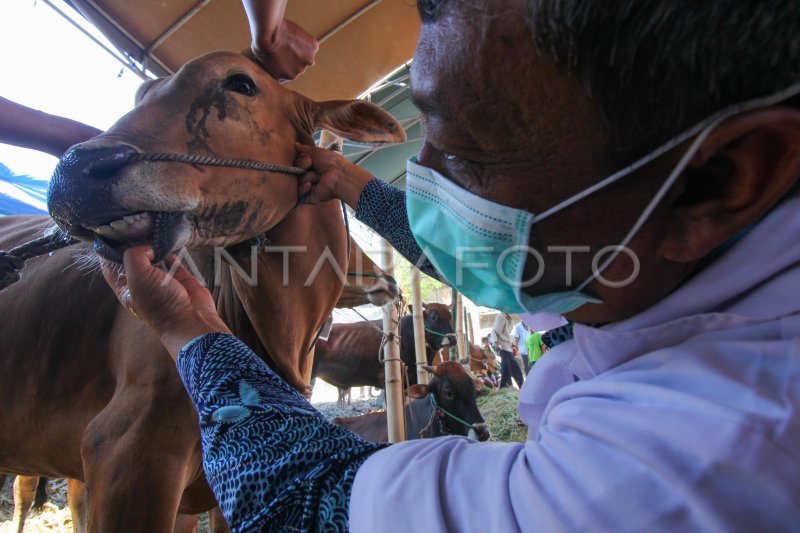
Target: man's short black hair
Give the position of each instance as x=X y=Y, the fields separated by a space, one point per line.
x=656 y=67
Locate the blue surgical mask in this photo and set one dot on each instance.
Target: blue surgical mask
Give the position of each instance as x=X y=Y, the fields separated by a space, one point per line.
x=480 y=247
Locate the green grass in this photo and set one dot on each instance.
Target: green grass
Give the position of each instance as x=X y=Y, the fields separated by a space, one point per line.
x=499 y=409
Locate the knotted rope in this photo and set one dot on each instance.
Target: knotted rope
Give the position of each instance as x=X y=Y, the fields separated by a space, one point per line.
x=12 y=262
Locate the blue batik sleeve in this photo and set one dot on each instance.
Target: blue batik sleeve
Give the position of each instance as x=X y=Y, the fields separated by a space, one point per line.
x=382 y=207
x=273 y=461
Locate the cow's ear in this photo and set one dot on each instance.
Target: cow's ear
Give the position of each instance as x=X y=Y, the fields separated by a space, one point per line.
x=357 y=120
x=417 y=391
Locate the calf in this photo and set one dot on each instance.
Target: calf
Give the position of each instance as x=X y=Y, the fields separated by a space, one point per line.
x=446 y=406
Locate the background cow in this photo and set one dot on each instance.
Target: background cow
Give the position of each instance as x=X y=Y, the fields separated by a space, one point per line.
x=115 y=413
x=453 y=390
x=352 y=356
x=438 y=334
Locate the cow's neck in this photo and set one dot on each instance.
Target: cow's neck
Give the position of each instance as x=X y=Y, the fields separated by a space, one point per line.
x=419 y=416
x=283 y=320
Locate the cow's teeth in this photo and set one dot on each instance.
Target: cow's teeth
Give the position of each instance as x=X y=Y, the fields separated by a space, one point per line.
x=119 y=225
x=130 y=219
x=106 y=230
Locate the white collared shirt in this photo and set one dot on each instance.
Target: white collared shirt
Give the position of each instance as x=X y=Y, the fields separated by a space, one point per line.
x=685 y=417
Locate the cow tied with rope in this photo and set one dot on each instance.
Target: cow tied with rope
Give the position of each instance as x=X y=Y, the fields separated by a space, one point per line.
x=110 y=407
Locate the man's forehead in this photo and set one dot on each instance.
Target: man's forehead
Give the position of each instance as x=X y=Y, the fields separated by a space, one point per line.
x=483 y=79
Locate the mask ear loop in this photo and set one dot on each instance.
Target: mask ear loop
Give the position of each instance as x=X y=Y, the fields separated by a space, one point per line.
x=670 y=181
x=704 y=128
x=713 y=120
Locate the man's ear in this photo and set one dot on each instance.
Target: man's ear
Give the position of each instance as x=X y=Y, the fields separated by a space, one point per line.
x=745 y=166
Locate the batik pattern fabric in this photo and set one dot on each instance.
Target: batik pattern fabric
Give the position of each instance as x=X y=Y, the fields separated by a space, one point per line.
x=382 y=207
x=273 y=461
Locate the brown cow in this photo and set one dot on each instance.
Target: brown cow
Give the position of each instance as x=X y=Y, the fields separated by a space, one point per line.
x=352 y=357
x=454 y=393
x=109 y=406
x=483 y=365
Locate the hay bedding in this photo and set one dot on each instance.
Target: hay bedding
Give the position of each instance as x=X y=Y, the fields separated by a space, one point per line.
x=54 y=516
x=499 y=409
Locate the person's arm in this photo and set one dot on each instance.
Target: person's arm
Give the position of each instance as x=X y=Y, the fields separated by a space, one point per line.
x=377 y=204
x=271 y=459
x=282 y=47
x=29 y=128
x=498 y=329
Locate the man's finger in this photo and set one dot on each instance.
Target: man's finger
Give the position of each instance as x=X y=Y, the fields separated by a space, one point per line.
x=138 y=260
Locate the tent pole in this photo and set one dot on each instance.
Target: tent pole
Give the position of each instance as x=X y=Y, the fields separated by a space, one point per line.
x=391 y=354
x=419 y=327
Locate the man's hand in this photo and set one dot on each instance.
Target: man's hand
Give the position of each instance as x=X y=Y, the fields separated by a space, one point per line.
x=288 y=53
x=177 y=307
x=330 y=175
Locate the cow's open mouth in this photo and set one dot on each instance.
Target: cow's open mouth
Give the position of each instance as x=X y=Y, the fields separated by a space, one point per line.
x=164 y=231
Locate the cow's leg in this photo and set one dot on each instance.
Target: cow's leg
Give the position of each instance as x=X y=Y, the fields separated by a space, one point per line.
x=186 y=523
x=216 y=522
x=78 y=505
x=138 y=455
x=24 y=493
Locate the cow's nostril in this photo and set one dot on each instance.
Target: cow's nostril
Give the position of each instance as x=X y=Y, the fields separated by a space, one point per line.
x=97 y=163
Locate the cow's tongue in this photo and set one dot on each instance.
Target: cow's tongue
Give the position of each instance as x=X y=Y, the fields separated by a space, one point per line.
x=159 y=229
x=164 y=234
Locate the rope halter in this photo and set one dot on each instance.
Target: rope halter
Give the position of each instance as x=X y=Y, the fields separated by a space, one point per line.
x=216 y=162
x=439 y=408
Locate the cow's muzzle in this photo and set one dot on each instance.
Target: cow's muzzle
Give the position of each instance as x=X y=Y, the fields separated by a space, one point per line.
x=80 y=186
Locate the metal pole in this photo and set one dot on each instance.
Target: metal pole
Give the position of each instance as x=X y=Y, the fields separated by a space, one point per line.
x=178 y=24
x=395 y=412
x=460 y=327
x=419 y=327
x=347 y=21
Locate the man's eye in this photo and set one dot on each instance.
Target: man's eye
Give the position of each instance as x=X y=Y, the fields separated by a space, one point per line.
x=450 y=157
x=240 y=83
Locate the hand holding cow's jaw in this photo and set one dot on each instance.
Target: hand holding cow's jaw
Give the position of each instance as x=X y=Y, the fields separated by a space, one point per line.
x=177 y=307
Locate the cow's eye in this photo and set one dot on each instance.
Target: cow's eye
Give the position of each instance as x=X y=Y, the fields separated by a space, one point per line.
x=240 y=83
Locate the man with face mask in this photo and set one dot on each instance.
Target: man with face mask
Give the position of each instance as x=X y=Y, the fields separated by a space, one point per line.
x=632 y=165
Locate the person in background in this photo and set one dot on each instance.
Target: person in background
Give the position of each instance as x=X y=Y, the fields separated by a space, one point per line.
x=509 y=368
x=519 y=336
x=534 y=347
x=282 y=47
x=30 y=128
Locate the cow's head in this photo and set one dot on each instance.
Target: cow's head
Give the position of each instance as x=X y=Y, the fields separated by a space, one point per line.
x=438 y=326
x=454 y=392
x=221 y=105
x=366 y=282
